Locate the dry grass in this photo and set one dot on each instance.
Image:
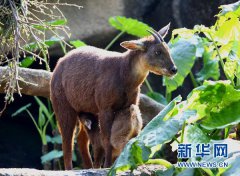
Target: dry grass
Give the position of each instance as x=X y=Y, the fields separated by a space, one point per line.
x=20 y=22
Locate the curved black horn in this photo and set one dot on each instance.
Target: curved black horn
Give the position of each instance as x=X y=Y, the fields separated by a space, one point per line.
x=159 y=35
x=156 y=35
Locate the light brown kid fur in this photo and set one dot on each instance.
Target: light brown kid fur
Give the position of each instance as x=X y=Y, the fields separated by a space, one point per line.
x=126 y=125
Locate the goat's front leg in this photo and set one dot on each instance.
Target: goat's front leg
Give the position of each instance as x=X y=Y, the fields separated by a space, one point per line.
x=106 y=120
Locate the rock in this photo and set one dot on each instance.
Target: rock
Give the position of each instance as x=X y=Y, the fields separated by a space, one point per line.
x=38 y=85
x=149 y=169
x=149 y=108
x=194 y=12
x=35 y=172
x=184 y=13
x=91 y=22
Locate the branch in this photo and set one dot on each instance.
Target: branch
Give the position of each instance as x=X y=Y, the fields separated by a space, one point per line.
x=36 y=83
x=32 y=82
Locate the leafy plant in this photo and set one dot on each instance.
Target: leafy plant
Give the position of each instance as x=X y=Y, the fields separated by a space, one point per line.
x=41 y=124
x=210 y=111
x=45 y=117
x=18 y=26
x=184 y=52
x=77 y=43
x=194 y=120
x=51 y=155
x=27 y=61
x=129 y=25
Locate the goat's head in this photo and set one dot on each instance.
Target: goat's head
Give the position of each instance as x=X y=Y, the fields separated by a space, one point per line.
x=154 y=52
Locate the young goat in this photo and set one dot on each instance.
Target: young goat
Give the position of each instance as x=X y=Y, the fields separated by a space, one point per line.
x=126 y=125
x=97 y=81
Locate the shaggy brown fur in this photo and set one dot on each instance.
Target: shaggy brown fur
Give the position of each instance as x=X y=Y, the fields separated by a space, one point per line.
x=96 y=81
x=126 y=125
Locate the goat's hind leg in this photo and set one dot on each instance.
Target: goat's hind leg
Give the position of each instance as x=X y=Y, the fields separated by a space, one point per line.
x=67 y=119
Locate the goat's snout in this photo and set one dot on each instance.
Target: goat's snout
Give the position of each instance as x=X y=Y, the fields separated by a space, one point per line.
x=173 y=70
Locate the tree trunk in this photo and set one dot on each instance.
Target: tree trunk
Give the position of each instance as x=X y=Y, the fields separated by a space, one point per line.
x=35 y=82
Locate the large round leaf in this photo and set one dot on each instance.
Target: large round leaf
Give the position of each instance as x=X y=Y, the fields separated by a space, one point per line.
x=210 y=67
x=218 y=103
x=183 y=53
x=129 y=25
x=229 y=115
x=234 y=7
x=137 y=150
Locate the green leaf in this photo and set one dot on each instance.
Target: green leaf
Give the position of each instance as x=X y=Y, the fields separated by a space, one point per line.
x=157 y=132
x=207 y=31
x=183 y=33
x=234 y=169
x=56 y=139
x=160 y=117
x=140 y=153
x=77 y=43
x=50 y=42
x=59 y=22
x=229 y=115
x=43 y=107
x=31 y=46
x=45 y=110
x=225 y=50
x=74 y=156
x=27 y=61
x=238 y=70
x=236 y=48
x=183 y=53
x=160 y=162
x=20 y=110
x=125 y=161
x=158 y=97
x=50 y=24
x=228 y=31
x=234 y=7
x=230 y=68
x=187 y=172
x=210 y=67
x=129 y=25
x=217 y=103
x=51 y=155
x=194 y=135
x=233 y=151
x=41 y=118
x=53 y=40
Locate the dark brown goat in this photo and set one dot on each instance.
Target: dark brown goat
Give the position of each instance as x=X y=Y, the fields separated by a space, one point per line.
x=126 y=125
x=102 y=82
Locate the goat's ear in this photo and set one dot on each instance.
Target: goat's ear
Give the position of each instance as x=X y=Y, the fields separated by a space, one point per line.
x=133 y=45
x=163 y=32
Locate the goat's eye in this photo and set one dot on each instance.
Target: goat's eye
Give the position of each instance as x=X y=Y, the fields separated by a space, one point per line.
x=157 y=52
